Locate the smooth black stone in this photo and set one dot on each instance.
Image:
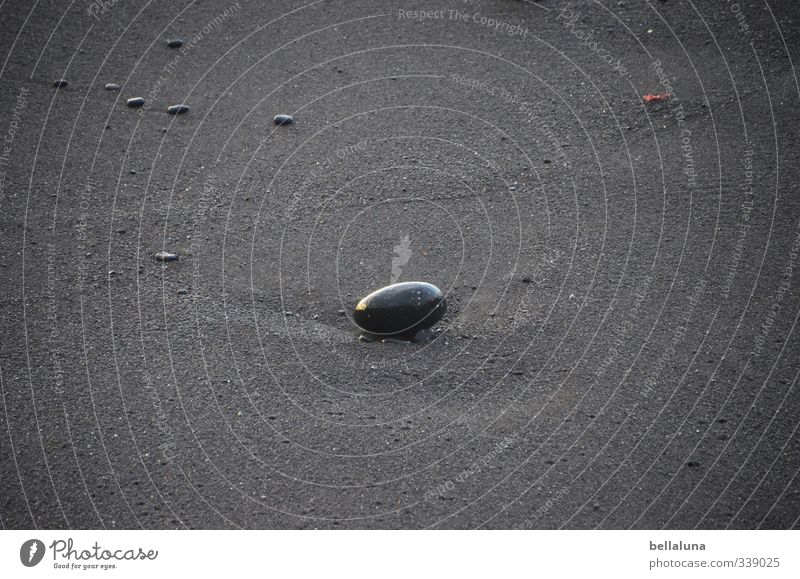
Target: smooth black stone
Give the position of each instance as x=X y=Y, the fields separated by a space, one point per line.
x=136 y=102
x=178 y=109
x=175 y=42
x=112 y=86
x=60 y=83
x=401 y=309
x=283 y=119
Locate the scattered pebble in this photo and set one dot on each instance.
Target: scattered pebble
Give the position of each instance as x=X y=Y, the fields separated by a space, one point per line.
x=135 y=102
x=166 y=256
x=401 y=308
x=283 y=119
x=178 y=109
x=175 y=42
x=662 y=96
x=182 y=292
x=692 y=464
x=112 y=86
x=60 y=83
x=527 y=279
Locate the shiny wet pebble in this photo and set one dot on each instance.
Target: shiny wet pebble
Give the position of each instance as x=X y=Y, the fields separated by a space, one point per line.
x=60 y=83
x=135 y=102
x=175 y=42
x=178 y=109
x=283 y=119
x=401 y=309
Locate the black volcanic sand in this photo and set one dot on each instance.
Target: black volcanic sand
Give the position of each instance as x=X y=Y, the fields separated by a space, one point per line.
x=621 y=277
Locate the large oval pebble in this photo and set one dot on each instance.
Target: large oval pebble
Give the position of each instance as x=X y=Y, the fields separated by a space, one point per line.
x=401 y=308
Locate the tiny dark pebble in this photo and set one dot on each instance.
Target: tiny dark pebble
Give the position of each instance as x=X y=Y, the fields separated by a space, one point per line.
x=135 y=102
x=60 y=83
x=175 y=42
x=182 y=292
x=692 y=464
x=283 y=119
x=527 y=279
x=178 y=109
x=547 y=161
x=112 y=86
x=166 y=256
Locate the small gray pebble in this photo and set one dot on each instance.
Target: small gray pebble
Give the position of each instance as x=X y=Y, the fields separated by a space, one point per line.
x=60 y=83
x=283 y=119
x=182 y=292
x=175 y=42
x=135 y=102
x=166 y=256
x=178 y=109
x=112 y=86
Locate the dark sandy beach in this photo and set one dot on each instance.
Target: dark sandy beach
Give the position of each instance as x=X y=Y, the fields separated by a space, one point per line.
x=622 y=271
